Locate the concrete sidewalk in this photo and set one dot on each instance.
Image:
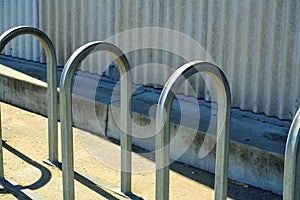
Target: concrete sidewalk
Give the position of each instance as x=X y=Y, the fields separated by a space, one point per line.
x=26 y=146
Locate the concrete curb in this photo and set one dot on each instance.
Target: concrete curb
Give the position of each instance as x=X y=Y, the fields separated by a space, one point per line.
x=256 y=146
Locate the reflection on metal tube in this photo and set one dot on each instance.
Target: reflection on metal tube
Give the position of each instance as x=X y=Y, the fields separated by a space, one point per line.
x=66 y=114
x=163 y=130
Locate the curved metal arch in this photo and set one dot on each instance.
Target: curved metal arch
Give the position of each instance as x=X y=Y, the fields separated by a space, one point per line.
x=163 y=127
x=291 y=175
x=66 y=114
x=5 y=38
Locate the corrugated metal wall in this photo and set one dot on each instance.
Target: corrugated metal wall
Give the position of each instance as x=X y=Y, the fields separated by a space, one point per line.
x=257 y=43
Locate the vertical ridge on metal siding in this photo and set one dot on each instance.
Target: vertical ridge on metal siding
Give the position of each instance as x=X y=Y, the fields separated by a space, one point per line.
x=2 y=17
x=256 y=54
x=67 y=34
x=201 y=8
x=91 y=30
x=188 y=29
x=212 y=41
x=257 y=43
x=286 y=67
x=58 y=28
x=277 y=64
x=243 y=57
x=233 y=66
x=295 y=87
x=35 y=20
x=137 y=22
x=19 y=5
x=44 y=26
x=29 y=19
x=13 y=20
x=146 y=21
x=92 y=16
x=167 y=22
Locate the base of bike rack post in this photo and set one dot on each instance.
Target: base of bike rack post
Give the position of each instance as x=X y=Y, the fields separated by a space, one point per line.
x=107 y=186
x=103 y=184
x=54 y=164
x=95 y=180
x=18 y=190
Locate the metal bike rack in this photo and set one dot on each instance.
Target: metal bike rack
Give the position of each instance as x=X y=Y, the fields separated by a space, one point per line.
x=51 y=90
x=291 y=181
x=66 y=114
x=163 y=127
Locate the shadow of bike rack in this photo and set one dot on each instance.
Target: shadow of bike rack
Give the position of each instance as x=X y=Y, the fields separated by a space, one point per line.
x=66 y=114
x=291 y=180
x=5 y=38
x=162 y=143
x=25 y=192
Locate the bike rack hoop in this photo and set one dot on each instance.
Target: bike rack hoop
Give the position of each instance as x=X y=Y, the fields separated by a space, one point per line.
x=163 y=126
x=5 y=38
x=66 y=114
x=291 y=180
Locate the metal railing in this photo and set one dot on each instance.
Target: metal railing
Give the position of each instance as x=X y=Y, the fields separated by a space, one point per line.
x=291 y=180
x=163 y=126
x=66 y=114
x=5 y=38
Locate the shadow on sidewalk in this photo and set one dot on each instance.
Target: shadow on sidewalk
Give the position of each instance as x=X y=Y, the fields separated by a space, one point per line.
x=23 y=192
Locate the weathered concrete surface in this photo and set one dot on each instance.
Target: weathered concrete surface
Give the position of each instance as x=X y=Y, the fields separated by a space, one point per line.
x=256 y=142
